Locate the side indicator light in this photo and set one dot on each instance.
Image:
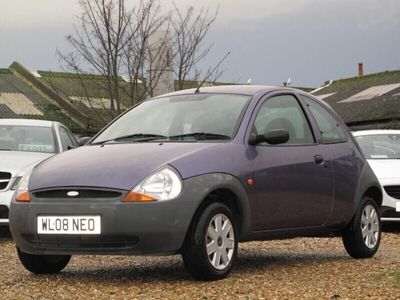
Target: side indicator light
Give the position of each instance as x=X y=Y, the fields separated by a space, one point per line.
x=250 y=182
x=24 y=197
x=136 y=197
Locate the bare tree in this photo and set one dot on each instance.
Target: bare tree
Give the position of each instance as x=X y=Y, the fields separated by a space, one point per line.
x=190 y=30
x=148 y=19
x=114 y=41
x=99 y=42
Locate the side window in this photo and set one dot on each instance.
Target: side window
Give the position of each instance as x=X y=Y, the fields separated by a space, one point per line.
x=329 y=127
x=66 y=140
x=284 y=112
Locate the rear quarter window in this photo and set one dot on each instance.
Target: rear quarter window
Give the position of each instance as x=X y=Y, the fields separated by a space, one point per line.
x=331 y=131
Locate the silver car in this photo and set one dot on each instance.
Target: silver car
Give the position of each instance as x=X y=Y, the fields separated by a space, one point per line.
x=23 y=144
x=381 y=148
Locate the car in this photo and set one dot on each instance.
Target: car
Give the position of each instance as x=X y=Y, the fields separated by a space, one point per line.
x=23 y=144
x=381 y=147
x=195 y=172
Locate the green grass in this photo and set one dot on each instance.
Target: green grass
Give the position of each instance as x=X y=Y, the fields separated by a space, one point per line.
x=387 y=276
x=396 y=276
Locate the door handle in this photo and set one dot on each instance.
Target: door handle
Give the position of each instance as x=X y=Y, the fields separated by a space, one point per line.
x=318 y=159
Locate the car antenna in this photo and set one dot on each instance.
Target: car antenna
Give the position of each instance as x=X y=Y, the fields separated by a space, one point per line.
x=197 y=90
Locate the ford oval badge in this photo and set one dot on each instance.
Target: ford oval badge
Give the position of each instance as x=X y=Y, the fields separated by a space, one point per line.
x=72 y=194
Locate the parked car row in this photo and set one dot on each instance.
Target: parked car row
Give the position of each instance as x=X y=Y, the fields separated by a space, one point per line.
x=196 y=172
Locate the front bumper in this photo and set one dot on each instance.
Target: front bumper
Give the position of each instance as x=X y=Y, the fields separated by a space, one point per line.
x=126 y=228
x=390 y=215
x=390 y=205
x=5 y=200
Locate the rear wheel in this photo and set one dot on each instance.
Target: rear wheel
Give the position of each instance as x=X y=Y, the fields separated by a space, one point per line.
x=211 y=244
x=362 y=236
x=43 y=264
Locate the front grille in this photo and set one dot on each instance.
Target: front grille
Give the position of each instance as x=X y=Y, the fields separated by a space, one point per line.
x=84 y=242
x=4 y=179
x=393 y=191
x=3 y=212
x=83 y=193
x=391 y=214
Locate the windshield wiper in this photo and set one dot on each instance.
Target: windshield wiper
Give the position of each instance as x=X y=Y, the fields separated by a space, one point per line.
x=137 y=137
x=201 y=136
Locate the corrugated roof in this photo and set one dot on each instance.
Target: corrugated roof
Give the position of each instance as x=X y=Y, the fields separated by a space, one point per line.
x=19 y=104
x=8 y=83
x=5 y=112
x=372 y=92
x=322 y=97
x=386 y=106
x=19 y=100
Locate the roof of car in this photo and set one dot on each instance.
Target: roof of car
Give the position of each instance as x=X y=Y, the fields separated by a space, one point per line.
x=26 y=122
x=230 y=89
x=375 y=132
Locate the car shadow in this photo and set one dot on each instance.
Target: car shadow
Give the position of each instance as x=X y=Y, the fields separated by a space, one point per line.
x=391 y=227
x=171 y=269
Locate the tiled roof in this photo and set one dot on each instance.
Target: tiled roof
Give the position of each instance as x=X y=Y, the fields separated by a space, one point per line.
x=372 y=92
x=7 y=113
x=383 y=101
x=20 y=100
x=19 y=104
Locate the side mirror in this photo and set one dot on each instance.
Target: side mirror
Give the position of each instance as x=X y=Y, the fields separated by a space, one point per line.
x=83 y=140
x=273 y=137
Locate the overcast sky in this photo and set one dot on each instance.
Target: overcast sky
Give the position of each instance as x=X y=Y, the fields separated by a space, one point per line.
x=309 y=41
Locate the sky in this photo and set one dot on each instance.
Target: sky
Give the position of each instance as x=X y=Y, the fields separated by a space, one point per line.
x=308 y=41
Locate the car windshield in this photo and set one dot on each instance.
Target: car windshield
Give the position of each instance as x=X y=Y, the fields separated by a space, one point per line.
x=380 y=146
x=179 y=118
x=26 y=138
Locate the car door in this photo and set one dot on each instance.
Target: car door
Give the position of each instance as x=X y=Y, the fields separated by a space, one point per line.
x=293 y=181
x=347 y=162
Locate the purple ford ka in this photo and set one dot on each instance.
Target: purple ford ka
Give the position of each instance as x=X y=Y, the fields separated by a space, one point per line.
x=195 y=172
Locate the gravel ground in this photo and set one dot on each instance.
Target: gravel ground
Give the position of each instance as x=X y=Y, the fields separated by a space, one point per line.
x=313 y=268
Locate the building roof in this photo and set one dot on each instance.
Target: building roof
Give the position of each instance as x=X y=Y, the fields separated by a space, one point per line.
x=19 y=99
x=373 y=99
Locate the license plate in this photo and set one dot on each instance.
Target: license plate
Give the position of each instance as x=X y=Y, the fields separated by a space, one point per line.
x=397 y=206
x=68 y=225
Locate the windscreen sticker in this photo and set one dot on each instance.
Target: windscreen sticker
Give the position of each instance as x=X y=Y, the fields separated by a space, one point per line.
x=36 y=148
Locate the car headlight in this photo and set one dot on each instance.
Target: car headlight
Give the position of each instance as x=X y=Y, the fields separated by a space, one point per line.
x=15 y=184
x=22 y=193
x=165 y=184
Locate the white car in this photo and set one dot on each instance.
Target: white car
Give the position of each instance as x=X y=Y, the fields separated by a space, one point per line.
x=382 y=150
x=23 y=144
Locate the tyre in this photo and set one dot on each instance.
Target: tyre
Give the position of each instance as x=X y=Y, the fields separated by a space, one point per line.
x=210 y=247
x=43 y=264
x=362 y=236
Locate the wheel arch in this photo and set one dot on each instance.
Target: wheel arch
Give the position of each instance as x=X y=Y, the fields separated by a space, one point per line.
x=227 y=189
x=368 y=185
x=375 y=193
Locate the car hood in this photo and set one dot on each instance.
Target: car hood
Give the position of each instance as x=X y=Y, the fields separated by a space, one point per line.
x=385 y=168
x=116 y=166
x=18 y=162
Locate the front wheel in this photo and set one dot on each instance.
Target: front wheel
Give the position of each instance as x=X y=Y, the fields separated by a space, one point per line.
x=362 y=236
x=43 y=264
x=211 y=244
